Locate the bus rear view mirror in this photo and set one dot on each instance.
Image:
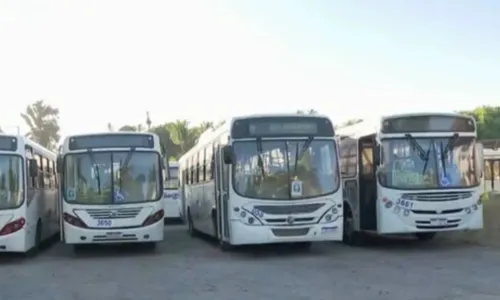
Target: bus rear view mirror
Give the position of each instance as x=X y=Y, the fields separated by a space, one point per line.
x=59 y=164
x=33 y=167
x=227 y=154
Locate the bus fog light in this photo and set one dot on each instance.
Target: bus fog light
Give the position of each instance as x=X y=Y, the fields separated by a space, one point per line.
x=397 y=209
x=468 y=210
x=388 y=204
x=328 y=218
x=243 y=214
x=335 y=211
x=406 y=212
x=250 y=220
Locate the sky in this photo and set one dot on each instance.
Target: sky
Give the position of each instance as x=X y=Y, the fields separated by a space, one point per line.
x=111 y=61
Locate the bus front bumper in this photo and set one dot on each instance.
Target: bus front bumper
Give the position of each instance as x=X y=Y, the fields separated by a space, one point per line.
x=77 y=235
x=242 y=234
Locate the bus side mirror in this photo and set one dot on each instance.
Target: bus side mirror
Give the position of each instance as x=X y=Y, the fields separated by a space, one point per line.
x=33 y=167
x=227 y=154
x=59 y=164
x=376 y=156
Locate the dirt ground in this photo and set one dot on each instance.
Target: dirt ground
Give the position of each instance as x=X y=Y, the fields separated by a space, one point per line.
x=490 y=235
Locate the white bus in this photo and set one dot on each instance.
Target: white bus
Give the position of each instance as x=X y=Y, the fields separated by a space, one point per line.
x=112 y=188
x=171 y=195
x=264 y=179
x=411 y=174
x=28 y=194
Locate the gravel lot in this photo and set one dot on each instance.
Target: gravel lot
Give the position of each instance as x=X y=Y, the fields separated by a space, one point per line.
x=190 y=269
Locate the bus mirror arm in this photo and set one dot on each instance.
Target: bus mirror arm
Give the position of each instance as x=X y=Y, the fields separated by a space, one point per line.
x=33 y=167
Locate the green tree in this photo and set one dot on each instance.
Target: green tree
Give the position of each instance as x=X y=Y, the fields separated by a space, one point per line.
x=173 y=150
x=349 y=123
x=488 y=121
x=134 y=128
x=42 y=120
x=182 y=135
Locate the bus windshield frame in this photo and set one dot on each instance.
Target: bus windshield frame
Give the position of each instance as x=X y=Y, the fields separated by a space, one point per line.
x=109 y=178
x=17 y=192
x=425 y=163
x=267 y=169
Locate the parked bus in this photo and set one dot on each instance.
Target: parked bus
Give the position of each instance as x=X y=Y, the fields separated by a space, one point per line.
x=28 y=194
x=414 y=174
x=264 y=179
x=171 y=195
x=112 y=188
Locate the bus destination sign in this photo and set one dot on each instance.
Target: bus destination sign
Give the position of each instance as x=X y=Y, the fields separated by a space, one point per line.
x=111 y=141
x=282 y=126
x=429 y=123
x=8 y=143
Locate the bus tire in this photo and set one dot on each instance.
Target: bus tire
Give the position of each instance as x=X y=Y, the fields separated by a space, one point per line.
x=223 y=245
x=191 y=230
x=425 y=236
x=38 y=241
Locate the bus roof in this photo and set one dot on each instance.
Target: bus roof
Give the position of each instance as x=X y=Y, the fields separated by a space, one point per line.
x=65 y=145
x=24 y=141
x=211 y=134
x=372 y=125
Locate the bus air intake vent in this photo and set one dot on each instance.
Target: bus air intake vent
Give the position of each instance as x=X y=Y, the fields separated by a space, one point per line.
x=290 y=232
x=121 y=213
x=289 y=209
x=449 y=196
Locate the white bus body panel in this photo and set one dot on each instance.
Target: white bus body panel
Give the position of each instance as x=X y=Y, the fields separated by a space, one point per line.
x=39 y=205
x=453 y=210
x=307 y=226
x=173 y=203
x=126 y=224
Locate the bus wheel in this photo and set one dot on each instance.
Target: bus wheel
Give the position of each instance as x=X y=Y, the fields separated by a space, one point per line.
x=191 y=230
x=38 y=241
x=350 y=236
x=425 y=236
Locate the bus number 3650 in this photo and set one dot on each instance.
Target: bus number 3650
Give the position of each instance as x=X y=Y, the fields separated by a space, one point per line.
x=104 y=223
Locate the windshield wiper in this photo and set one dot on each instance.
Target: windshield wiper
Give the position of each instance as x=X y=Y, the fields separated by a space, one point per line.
x=446 y=150
x=95 y=167
x=299 y=155
x=424 y=155
x=260 y=162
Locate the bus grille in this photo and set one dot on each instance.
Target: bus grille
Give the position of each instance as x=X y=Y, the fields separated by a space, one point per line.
x=121 y=213
x=290 y=231
x=290 y=209
x=452 y=196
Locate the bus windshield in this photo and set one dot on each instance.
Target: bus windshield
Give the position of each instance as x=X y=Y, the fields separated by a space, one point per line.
x=285 y=169
x=172 y=182
x=11 y=181
x=428 y=163
x=112 y=177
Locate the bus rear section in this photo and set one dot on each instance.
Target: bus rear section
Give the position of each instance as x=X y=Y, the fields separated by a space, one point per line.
x=171 y=194
x=112 y=189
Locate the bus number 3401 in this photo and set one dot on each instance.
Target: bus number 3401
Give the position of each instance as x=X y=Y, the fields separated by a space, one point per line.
x=404 y=203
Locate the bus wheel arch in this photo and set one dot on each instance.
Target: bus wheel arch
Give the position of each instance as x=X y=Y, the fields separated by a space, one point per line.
x=191 y=229
x=37 y=239
x=350 y=236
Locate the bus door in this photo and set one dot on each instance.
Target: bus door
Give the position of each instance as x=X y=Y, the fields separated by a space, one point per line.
x=367 y=183
x=222 y=195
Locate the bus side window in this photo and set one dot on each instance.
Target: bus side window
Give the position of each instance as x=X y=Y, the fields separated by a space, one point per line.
x=40 y=177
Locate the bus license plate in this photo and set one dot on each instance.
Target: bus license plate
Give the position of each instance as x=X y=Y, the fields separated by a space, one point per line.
x=439 y=222
x=104 y=223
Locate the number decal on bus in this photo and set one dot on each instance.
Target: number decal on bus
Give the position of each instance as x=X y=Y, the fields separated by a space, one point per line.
x=404 y=203
x=104 y=223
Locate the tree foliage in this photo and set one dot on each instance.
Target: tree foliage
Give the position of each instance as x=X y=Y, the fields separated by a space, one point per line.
x=43 y=123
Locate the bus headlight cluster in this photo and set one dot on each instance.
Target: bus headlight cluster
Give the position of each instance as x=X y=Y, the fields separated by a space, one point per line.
x=248 y=218
x=331 y=215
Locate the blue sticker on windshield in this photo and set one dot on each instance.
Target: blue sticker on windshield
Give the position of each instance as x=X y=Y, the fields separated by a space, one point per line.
x=71 y=194
x=296 y=188
x=119 y=197
x=444 y=180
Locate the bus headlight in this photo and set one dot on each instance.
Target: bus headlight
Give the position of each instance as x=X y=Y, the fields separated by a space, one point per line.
x=331 y=215
x=248 y=218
